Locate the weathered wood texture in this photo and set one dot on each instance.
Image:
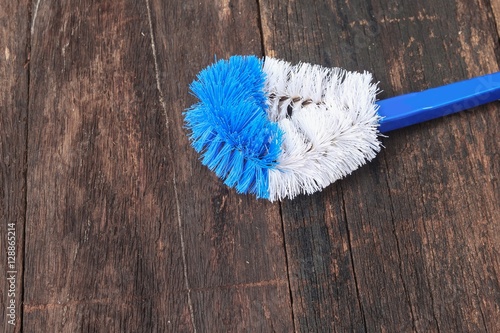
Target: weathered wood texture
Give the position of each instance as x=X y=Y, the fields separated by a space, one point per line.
x=132 y=239
x=236 y=267
x=102 y=245
x=411 y=241
x=14 y=54
x=121 y=229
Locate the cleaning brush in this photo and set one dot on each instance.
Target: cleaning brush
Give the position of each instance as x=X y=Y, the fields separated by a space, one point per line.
x=277 y=130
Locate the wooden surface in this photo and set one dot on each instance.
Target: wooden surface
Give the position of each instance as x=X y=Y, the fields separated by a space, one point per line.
x=119 y=228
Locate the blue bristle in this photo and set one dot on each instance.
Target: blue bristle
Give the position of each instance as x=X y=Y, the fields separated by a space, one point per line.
x=229 y=125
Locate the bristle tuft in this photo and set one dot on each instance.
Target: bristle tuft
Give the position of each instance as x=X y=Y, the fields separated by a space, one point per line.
x=229 y=125
x=330 y=125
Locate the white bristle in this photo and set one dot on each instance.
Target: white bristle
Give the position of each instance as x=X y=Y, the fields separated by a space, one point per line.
x=330 y=124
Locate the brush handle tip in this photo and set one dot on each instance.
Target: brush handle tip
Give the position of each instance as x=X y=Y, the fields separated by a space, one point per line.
x=406 y=110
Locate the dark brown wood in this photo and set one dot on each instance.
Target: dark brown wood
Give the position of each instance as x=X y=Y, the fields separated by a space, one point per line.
x=102 y=242
x=14 y=58
x=409 y=242
x=119 y=228
x=235 y=261
x=126 y=231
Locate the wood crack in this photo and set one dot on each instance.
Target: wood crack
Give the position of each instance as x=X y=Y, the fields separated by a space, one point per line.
x=287 y=265
x=400 y=259
x=33 y=20
x=426 y=233
x=355 y=278
x=174 y=174
x=261 y=29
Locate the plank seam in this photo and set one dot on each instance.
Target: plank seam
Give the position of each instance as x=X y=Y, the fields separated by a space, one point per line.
x=426 y=232
x=174 y=177
x=261 y=29
x=29 y=38
x=400 y=264
x=287 y=266
x=356 y=283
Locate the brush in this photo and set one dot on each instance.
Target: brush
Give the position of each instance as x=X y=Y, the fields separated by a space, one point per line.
x=277 y=130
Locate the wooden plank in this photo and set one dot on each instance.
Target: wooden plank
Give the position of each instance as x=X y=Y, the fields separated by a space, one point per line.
x=416 y=231
x=236 y=265
x=14 y=55
x=122 y=234
x=126 y=231
x=102 y=242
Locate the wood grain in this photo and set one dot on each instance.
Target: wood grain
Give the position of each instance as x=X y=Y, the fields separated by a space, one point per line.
x=235 y=261
x=416 y=230
x=132 y=237
x=14 y=57
x=102 y=243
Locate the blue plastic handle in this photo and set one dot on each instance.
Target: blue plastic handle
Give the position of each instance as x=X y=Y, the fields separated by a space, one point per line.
x=414 y=108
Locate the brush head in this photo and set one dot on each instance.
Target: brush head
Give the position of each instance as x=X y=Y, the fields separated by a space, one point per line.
x=277 y=130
